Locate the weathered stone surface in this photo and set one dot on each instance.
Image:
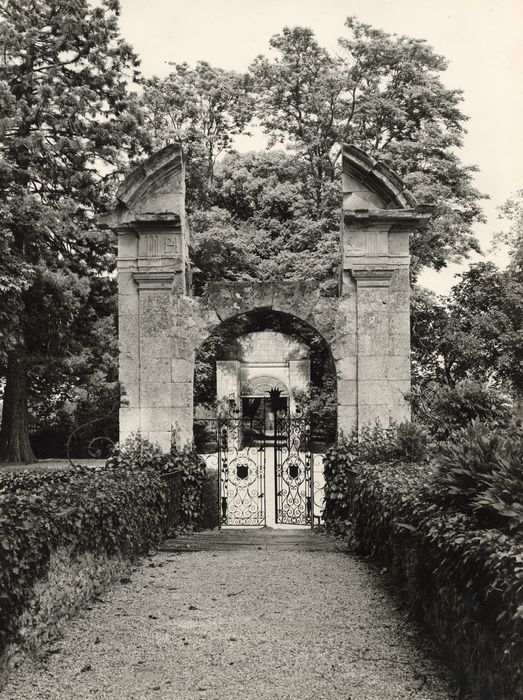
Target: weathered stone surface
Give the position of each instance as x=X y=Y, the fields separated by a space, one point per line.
x=127 y=245
x=372 y=392
x=126 y=283
x=128 y=305
x=347 y=368
x=161 y=325
x=155 y=369
x=181 y=394
x=400 y=322
x=129 y=420
x=373 y=367
x=156 y=418
x=370 y=415
x=155 y=313
x=155 y=347
x=182 y=370
x=347 y=392
x=155 y=394
x=162 y=438
x=347 y=419
x=345 y=346
x=375 y=343
x=128 y=332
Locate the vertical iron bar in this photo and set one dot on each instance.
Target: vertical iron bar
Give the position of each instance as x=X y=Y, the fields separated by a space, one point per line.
x=219 y=444
x=311 y=489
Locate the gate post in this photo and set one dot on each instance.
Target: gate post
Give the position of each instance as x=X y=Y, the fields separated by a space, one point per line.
x=153 y=239
x=379 y=214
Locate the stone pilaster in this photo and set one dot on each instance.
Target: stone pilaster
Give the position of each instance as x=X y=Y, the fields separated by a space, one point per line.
x=299 y=378
x=378 y=216
x=228 y=379
x=373 y=318
x=152 y=269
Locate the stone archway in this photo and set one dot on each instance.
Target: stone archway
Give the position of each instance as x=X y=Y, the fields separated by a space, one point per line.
x=161 y=324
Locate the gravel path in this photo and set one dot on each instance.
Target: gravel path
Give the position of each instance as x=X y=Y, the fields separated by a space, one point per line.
x=240 y=624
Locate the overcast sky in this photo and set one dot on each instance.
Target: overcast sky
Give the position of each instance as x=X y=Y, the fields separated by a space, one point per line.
x=482 y=40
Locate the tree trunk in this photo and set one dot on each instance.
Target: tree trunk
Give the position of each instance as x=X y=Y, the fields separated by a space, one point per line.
x=14 y=433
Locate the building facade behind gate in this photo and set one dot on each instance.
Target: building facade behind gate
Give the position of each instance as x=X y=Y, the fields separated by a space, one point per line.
x=161 y=325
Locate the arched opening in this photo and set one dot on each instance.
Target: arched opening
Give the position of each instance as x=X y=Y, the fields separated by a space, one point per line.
x=238 y=340
x=264 y=413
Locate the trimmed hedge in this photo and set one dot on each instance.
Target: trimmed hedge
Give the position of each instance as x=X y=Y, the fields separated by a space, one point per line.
x=114 y=512
x=464 y=581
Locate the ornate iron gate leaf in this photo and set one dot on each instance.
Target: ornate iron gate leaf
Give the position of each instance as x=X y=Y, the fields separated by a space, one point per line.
x=241 y=471
x=293 y=469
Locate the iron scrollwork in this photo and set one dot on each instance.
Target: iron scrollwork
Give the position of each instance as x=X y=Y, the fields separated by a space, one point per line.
x=242 y=471
x=293 y=468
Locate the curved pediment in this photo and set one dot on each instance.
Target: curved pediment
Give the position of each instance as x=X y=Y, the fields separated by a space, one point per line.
x=370 y=184
x=154 y=191
x=262 y=385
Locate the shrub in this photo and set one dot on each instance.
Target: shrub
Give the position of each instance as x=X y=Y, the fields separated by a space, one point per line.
x=480 y=470
x=338 y=469
x=408 y=442
x=465 y=583
x=139 y=452
x=113 y=512
x=446 y=408
x=193 y=471
x=116 y=511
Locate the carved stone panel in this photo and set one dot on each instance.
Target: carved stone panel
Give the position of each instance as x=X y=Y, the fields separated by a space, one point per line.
x=160 y=245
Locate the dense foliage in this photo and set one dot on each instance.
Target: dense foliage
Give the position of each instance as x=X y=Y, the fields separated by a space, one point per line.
x=185 y=463
x=113 y=512
x=449 y=532
x=118 y=510
x=68 y=126
x=465 y=582
x=476 y=333
x=445 y=408
x=406 y=441
x=480 y=471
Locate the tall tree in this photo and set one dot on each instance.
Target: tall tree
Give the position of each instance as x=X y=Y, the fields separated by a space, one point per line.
x=204 y=108
x=512 y=212
x=383 y=93
x=67 y=126
x=476 y=333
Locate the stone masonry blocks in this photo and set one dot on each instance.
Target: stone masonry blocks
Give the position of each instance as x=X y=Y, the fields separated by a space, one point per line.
x=161 y=325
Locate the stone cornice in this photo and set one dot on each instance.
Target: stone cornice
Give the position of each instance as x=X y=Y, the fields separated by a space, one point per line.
x=123 y=222
x=154 y=279
x=389 y=216
x=372 y=277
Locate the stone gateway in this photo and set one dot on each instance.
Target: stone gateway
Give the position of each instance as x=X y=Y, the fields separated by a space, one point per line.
x=162 y=325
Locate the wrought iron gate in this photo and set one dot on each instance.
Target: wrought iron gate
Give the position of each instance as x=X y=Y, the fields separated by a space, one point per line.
x=252 y=451
x=241 y=465
x=293 y=465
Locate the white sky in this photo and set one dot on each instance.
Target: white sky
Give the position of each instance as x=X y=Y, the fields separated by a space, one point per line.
x=481 y=39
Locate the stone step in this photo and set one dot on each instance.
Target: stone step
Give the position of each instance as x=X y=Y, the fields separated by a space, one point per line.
x=266 y=539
